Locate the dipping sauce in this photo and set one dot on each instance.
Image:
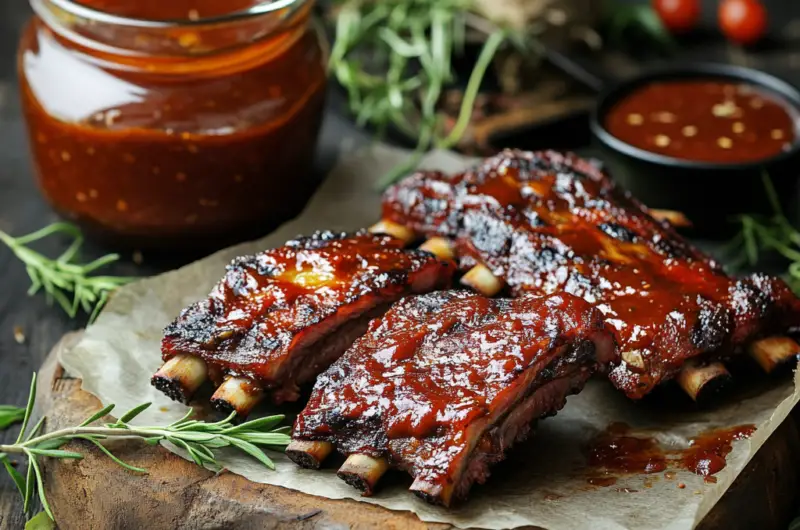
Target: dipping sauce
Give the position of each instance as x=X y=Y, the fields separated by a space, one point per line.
x=177 y=134
x=704 y=120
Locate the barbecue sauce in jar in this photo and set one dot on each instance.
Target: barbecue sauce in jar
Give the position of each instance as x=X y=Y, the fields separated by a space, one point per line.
x=716 y=121
x=180 y=123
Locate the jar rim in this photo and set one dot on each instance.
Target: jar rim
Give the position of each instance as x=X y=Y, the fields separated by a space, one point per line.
x=75 y=8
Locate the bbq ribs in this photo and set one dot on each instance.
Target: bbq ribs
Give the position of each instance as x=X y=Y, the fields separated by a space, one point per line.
x=444 y=383
x=543 y=222
x=279 y=318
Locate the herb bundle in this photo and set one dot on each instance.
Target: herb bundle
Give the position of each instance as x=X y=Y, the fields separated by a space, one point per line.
x=62 y=277
x=395 y=58
x=761 y=234
x=198 y=438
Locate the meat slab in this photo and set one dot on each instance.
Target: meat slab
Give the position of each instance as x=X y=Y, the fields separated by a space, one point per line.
x=280 y=317
x=444 y=383
x=545 y=222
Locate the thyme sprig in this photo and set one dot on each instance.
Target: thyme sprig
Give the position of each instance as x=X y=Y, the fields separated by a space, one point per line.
x=62 y=278
x=761 y=234
x=198 y=438
x=410 y=46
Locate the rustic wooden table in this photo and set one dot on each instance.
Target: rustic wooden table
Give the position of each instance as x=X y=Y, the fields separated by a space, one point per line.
x=22 y=210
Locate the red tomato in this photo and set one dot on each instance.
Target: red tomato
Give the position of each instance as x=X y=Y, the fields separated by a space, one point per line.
x=742 y=21
x=678 y=15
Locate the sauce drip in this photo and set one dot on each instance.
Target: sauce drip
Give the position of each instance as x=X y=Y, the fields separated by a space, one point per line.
x=618 y=450
x=705 y=121
x=706 y=455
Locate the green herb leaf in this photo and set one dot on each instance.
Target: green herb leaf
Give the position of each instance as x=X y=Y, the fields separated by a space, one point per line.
x=18 y=479
x=40 y=521
x=10 y=415
x=97 y=415
x=135 y=411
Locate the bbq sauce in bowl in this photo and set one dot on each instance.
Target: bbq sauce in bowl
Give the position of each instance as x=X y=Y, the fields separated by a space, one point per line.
x=173 y=123
x=704 y=120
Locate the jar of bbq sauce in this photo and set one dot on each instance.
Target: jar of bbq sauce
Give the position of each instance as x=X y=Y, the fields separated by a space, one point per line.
x=173 y=123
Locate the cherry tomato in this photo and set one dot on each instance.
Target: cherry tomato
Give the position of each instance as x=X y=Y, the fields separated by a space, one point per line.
x=678 y=15
x=742 y=21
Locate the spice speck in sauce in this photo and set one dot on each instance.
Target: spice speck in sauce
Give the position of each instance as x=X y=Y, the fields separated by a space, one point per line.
x=706 y=112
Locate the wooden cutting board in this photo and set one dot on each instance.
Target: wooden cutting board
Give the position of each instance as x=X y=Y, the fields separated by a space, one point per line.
x=176 y=494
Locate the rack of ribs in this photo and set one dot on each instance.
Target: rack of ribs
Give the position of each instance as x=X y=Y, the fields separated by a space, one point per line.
x=279 y=318
x=543 y=222
x=444 y=383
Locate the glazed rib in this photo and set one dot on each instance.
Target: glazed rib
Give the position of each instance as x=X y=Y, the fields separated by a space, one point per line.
x=279 y=318
x=542 y=222
x=444 y=383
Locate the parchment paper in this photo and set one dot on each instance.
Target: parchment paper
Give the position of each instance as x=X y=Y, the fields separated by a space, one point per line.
x=543 y=482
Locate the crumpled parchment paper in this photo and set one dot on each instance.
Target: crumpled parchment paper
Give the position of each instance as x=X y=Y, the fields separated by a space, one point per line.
x=542 y=483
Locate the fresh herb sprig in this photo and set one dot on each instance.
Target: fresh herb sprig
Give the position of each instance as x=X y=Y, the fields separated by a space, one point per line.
x=62 y=278
x=198 y=438
x=762 y=234
x=414 y=43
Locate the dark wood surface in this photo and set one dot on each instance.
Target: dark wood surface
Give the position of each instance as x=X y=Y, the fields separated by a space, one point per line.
x=22 y=210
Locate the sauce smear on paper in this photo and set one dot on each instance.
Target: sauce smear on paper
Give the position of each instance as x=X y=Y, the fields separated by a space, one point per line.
x=618 y=450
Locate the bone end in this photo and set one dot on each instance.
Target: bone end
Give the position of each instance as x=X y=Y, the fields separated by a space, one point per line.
x=439 y=247
x=393 y=229
x=363 y=472
x=180 y=377
x=481 y=279
x=697 y=380
x=673 y=217
x=308 y=454
x=237 y=394
x=772 y=352
x=432 y=493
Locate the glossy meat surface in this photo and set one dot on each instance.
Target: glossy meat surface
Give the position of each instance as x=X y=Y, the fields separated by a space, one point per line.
x=434 y=385
x=276 y=317
x=547 y=221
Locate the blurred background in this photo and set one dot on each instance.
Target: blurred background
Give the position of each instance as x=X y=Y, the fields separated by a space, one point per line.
x=519 y=73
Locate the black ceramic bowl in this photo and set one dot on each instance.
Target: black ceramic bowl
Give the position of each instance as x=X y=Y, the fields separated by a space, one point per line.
x=710 y=194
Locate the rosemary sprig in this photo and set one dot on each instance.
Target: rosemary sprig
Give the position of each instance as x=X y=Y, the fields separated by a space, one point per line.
x=198 y=438
x=761 y=234
x=62 y=277
x=413 y=43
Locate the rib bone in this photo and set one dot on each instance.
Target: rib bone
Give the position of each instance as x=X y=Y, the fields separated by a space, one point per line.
x=237 y=394
x=773 y=351
x=482 y=280
x=393 y=229
x=181 y=376
x=439 y=247
x=695 y=379
x=363 y=472
x=673 y=217
x=309 y=454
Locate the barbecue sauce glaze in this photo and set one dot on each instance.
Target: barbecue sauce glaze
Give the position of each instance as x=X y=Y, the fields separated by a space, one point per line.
x=547 y=222
x=187 y=136
x=430 y=383
x=704 y=121
x=271 y=305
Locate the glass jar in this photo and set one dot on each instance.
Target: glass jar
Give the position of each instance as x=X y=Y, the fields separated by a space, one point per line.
x=173 y=123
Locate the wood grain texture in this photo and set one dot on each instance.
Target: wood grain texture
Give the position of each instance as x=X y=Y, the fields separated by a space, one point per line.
x=176 y=494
